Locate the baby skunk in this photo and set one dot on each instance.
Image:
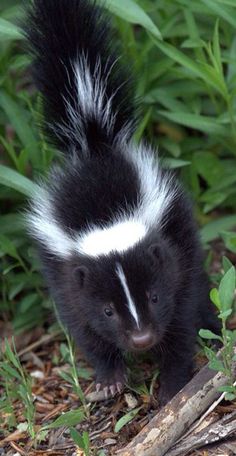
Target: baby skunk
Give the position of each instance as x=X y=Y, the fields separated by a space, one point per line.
x=115 y=232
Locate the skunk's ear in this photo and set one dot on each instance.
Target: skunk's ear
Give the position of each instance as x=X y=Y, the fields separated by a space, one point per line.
x=155 y=254
x=80 y=275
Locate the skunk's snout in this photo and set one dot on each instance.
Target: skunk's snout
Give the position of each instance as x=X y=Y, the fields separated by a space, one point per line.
x=142 y=340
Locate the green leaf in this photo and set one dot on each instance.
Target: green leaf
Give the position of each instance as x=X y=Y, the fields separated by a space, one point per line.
x=230 y=396
x=86 y=439
x=9 y=31
x=8 y=247
x=65 y=352
x=225 y=314
x=171 y=146
x=126 y=419
x=226 y=264
x=27 y=302
x=27 y=320
x=14 y=290
x=78 y=439
x=217 y=365
x=11 y=223
x=226 y=289
x=214 y=295
x=11 y=371
x=191 y=43
x=10 y=355
x=210 y=353
x=11 y=178
x=224 y=12
x=19 y=119
x=82 y=372
x=66 y=377
x=131 y=12
x=213 y=229
x=212 y=199
x=216 y=47
x=228 y=179
x=198 y=122
x=42 y=435
x=227 y=2
x=141 y=127
x=206 y=334
x=194 y=32
x=10 y=268
x=208 y=166
x=81 y=440
x=231 y=70
x=71 y=418
x=199 y=69
x=174 y=163
x=229 y=240
x=166 y=98
x=226 y=388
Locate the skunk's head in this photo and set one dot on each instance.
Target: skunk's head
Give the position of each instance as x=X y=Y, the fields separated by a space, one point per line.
x=127 y=299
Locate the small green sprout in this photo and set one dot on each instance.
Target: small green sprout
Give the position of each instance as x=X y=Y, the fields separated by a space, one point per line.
x=223 y=299
x=17 y=385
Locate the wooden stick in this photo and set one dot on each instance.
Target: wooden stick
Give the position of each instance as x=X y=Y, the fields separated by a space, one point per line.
x=45 y=339
x=204 y=416
x=215 y=432
x=160 y=434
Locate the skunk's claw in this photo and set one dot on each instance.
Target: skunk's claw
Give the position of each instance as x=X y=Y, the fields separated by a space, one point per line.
x=110 y=390
x=98 y=387
x=119 y=387
x=112 y=387
x=106 y=389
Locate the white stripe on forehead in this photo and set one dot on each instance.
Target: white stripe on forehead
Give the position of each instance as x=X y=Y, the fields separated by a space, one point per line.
x=131 y=304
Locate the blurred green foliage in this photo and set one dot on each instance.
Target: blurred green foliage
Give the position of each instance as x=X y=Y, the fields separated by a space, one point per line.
x=184 y=58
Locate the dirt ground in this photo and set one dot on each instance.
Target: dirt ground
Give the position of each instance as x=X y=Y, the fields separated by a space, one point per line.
x=41 y=356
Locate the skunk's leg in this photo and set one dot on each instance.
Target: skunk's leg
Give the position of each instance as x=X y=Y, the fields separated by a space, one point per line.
x=110 y=377
x=107 y=361
x=176 y=366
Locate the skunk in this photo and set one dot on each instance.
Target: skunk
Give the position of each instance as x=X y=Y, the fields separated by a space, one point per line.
x=115 y=232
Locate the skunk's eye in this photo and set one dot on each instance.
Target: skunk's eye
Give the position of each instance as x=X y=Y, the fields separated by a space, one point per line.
x=154 y=299
x=108 y=312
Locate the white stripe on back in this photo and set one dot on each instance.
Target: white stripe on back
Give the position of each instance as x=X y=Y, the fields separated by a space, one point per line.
x=117 y=237
x=44 y=227
x=156 y=195
x=158 y=190
x=131 y=304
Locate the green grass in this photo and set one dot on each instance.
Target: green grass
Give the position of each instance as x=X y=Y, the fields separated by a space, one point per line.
x=184 y=61
x=223 y=299
x=183 y=55
x=17 y=385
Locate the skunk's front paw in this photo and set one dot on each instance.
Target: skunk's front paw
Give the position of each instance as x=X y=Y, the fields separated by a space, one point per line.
x=165 y=395
x=111 y=382
x=170 y=387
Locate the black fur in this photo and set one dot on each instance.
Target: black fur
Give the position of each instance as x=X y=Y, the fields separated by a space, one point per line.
x=97 y=183
x=58 y=32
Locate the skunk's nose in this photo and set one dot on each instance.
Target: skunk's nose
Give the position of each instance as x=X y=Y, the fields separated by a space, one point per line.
x=142 y=340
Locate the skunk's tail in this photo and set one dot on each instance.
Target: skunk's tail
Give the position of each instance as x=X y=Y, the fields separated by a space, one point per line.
x=86 y=94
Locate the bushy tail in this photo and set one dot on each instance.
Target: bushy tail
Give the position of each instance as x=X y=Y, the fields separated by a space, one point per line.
x=85 y=92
